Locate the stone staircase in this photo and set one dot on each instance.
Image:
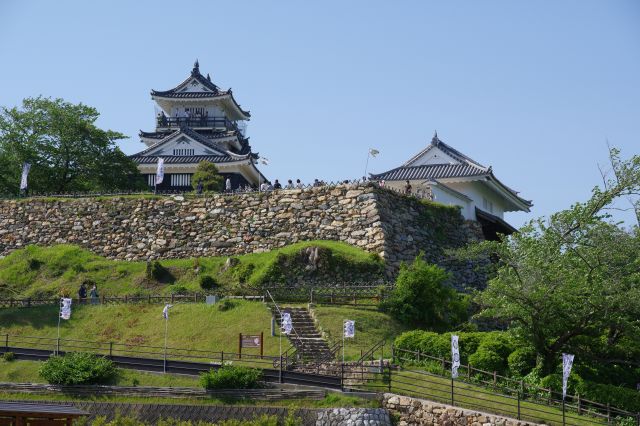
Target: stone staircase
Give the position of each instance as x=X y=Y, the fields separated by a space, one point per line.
x=306 y=338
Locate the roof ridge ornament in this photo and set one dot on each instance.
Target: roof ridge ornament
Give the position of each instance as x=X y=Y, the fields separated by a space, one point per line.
x=435 y=139
x=208 y=78
x=196 y=68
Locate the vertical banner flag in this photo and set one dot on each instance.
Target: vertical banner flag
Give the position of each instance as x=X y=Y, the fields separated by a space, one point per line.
x=160 y=171
x=165 y=311
x=455 y=356
x=65 y=308
x=25 y=173
x=287 y=325
x=567 y=363
x=349 y=328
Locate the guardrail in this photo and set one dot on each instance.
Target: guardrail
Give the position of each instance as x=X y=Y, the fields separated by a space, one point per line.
x=571 y=410
x=270 y=394
x=337 y=294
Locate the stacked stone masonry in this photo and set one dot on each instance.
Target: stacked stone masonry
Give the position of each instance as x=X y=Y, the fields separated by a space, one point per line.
x=144 y=228
x=415 y=411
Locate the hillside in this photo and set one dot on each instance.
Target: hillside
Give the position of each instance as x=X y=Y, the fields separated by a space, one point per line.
x=50 y=271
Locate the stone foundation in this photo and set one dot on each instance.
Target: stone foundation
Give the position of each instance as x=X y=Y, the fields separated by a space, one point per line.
x=415 y=411
x=143 y=228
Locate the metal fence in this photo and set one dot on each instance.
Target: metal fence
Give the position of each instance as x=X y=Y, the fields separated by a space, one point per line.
x=338 y=294
x=423 y=375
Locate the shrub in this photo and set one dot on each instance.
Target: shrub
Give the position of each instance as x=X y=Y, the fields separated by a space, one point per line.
x=521 y=361
x=619 y=397
x=231 y=377
x=77 y=368
x=208 y=174
x=439 y=345
x=178 y=289
x=487 y=360
x=421 y=297
x=207 y=282
x=8 y=356
x=226 y=305
x=160 y=273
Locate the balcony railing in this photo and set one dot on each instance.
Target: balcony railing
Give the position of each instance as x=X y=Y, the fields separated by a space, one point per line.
x=196 y=122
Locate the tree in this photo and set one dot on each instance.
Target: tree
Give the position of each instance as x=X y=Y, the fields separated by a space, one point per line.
x=67 y=151
x=208 y=174
x=422 y=299
x=572 y=281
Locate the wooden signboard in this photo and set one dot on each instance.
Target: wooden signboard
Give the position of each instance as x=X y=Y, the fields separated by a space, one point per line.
x=250 y=341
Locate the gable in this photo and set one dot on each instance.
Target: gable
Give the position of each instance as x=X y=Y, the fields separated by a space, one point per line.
x=193 y=85
x=432 y=155
x=182 y=144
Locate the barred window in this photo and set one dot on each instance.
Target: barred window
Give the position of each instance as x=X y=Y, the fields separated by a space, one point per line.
x=181 y=179
x=183 y=151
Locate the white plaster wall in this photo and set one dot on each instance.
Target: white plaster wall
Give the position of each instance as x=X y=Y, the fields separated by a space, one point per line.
x=444 y=197
x=477 y=191
x=434 y=156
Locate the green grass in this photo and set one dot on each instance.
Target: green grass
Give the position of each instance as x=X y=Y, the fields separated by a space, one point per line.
x=412 y=382
x=59 y=270
x=27 y=372
x=372 y=326
x=191 y=326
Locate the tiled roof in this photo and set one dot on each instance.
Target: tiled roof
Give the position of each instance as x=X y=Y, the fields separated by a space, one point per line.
x=449 y=150
x=191 y=159
x=214 y=92
x=431 y=171
x=212 y=135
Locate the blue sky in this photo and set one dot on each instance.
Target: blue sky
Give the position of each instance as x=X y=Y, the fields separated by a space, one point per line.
x=534 y=89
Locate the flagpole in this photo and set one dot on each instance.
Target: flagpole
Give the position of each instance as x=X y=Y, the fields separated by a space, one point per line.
x=59 y=315
x=343 y=342
x=366 y=167
x=166 y=330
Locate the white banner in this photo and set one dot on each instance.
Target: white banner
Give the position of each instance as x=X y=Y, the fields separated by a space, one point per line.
x=25 y=173
x=160 y=171
x=65 y=308
x=349 y=328
x=567 y=363
x=286 y=323
x=455 y=356
x=165 y=311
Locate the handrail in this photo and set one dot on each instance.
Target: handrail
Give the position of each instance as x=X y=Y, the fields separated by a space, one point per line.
x=530 y=390
x=371 y=350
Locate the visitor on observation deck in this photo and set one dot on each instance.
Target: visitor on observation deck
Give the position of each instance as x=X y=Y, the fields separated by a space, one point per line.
x=407 y=188
x=299 y=184
x=289 y=184
x=277 y=185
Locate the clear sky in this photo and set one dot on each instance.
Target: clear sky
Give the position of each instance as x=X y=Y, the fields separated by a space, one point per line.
x=534 y=89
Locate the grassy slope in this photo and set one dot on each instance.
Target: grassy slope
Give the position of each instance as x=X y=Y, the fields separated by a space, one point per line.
x=371 y=327
x=192 y=326
x=48 y=271
x=27 y=372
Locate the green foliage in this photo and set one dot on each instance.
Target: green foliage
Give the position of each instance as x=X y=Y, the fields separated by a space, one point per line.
x=77 y=368
x=208 y=174
x=487 y=360
x=226 y=305
x=8 y=356
x=231 y=377
x=66 y=150
x=521 y=361
x=178 y=289
x=160 y=273
x=421 y=298
x=207 y=282
x=68 y=266
x=571 y=282
x=625 y=398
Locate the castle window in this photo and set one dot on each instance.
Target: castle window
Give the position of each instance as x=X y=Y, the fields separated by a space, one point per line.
x=183 y=151
x=181 y=179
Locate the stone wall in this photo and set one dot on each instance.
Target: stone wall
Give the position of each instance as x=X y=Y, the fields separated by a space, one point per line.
x=143 y=228
x=415 y=411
